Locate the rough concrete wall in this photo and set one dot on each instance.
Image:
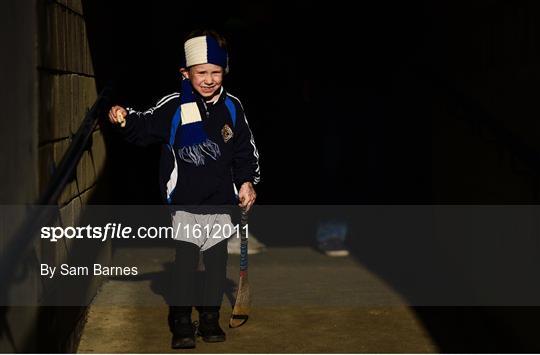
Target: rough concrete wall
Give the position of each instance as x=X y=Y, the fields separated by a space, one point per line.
x=67 y=90
x=46 y=91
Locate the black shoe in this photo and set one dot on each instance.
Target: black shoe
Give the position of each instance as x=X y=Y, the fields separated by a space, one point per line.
x=183 y=333
x=209 y=328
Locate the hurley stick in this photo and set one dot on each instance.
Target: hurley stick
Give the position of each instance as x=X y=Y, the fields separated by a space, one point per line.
x=242 y=305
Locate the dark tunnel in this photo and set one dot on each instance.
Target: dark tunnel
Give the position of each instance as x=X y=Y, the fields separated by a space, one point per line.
x=375 y=106
x=286 y=67
x=355 y=104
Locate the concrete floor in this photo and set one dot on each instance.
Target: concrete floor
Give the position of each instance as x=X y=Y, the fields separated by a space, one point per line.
x=302 y=302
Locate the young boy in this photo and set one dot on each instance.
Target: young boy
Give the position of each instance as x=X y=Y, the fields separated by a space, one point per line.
x=208 y=158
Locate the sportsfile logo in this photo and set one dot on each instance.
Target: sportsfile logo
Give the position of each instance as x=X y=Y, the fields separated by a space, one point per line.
x=118 y=231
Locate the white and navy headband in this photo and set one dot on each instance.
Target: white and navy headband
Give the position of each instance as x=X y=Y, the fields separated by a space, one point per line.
x=203 y=50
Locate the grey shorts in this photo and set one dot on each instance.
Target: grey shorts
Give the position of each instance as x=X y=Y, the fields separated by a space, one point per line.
x=203 y=230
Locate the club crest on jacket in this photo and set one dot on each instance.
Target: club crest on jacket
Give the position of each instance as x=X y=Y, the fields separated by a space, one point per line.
x=226 y=133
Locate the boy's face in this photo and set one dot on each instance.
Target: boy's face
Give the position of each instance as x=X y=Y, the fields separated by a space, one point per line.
x=205 y=78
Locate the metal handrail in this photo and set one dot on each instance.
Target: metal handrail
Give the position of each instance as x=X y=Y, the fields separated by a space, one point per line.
x=36 y=216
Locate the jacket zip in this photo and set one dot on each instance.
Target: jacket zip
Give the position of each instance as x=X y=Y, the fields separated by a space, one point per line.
x=206 y=109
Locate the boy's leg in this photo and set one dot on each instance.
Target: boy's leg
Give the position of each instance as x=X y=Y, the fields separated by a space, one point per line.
x=215 y=265
x=215 y=275
x=183 y=280
x=183 y=276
